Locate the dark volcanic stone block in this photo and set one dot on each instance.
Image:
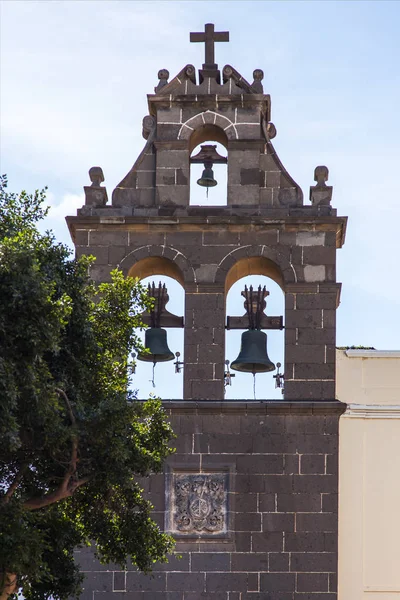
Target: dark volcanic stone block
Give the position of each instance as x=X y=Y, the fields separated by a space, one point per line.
x=268 y=596
x=313 y=561
x=313 y=582
x=299 y=503
x=316 y=522
x=277 y=582
x=315 y=483
x=139 y=582
x=329 y=503
x=99 y=581
x=267 y=541
x=185 y=581
x=248 y=522
x=226 y=581
x=305 y=542
x=210 y=561
x=210 y=595
x=271 y=463
x=278 y=522
x=311 y=464
x=250 y=562
x=314 y=596
x=278 y=561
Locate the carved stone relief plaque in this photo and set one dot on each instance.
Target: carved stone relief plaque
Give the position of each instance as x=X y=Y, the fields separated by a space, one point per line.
x=198 y=503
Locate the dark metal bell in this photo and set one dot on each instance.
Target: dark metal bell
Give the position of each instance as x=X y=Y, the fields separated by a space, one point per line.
x=253 y=357
x=207 y=179
x=155 y=339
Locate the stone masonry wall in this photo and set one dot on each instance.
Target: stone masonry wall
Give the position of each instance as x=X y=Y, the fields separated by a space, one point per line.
x=280 y=503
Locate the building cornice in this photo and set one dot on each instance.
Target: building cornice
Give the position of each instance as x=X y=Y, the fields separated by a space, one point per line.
x=372 y=353
x=372 y=411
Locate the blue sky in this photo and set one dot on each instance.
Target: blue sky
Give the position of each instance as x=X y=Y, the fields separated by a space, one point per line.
x=74 y=79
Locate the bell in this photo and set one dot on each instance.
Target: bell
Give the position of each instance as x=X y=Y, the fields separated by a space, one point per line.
x=253 y=357
x=155 y=339
x=207 y=179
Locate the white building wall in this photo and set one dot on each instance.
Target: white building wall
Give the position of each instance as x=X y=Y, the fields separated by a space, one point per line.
x=369 y=481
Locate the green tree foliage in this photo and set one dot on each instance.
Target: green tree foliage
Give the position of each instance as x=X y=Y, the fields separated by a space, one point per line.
x=72 y=438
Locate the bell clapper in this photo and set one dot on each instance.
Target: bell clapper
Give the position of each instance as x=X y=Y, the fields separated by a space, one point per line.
x=178 y=363
x=152 y=380
x=254 y=386
x=279 y=377
x=228 y=375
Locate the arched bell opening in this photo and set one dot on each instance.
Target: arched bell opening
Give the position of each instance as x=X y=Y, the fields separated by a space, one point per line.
x=254 y=265
x=254 y=349
x=156 y=265
x=208 y=167
x=156 y=373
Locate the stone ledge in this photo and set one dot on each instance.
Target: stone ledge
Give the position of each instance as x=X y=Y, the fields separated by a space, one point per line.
x=265 y=407
x=216 y=220
x=294 y=215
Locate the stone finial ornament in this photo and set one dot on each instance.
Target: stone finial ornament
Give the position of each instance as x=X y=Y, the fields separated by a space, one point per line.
x=96 y=176
x=190 y=71
x=163 y=76
x=321 y=175
x=227 y=71
x=95 y=194
x=258 y=75
x=148 y=124
x=321 y=194
x=271 y=130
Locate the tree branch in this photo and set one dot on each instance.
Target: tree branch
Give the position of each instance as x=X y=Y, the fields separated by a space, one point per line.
x=74 y=451
x=59 y=494
x=66 y=487
x=8 y=583
x=61 y=392
x=17 y=480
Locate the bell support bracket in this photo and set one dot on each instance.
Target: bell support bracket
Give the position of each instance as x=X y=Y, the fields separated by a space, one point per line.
x=208 y=153
x=159 y=316
x=255 y=317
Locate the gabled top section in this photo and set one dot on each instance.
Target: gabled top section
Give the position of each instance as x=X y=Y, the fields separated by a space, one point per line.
x=211 y=106
x=209 y=78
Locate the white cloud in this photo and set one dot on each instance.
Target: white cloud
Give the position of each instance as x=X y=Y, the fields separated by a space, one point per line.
x=68 y=205
x=59 y=209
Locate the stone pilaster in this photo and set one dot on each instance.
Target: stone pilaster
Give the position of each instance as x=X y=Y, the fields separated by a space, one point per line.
x=204 y=343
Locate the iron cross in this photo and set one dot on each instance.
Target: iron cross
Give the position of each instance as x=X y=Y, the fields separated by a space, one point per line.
x=210 y=37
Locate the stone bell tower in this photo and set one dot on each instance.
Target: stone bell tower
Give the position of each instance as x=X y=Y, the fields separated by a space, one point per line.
x=251 y=492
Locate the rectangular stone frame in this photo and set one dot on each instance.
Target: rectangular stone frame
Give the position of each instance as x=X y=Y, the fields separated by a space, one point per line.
x=227 y=469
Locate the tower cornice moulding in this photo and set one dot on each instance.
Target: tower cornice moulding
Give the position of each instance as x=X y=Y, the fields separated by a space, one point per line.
x=372 y=411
